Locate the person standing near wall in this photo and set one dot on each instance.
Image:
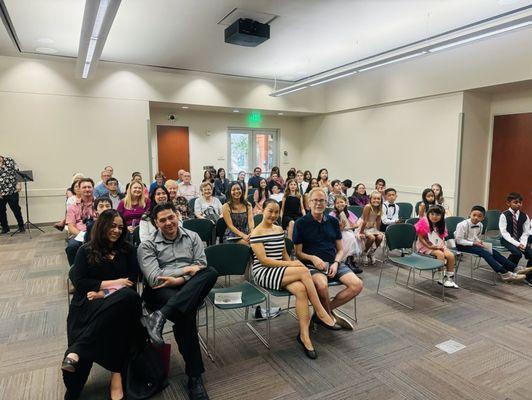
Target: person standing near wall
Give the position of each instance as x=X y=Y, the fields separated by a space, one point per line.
x=9 y=193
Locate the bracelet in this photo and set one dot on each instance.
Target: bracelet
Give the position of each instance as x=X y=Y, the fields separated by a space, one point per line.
x=337 y=262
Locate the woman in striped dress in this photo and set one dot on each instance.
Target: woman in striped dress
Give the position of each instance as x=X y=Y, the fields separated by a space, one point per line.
x=273 y=269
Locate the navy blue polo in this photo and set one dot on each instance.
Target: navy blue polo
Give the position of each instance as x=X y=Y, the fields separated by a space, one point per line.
x=318 y=238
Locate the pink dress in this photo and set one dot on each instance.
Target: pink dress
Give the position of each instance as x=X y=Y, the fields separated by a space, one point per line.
x=258 y=204
x=423 y=229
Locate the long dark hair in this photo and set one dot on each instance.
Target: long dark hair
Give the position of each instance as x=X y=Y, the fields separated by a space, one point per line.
x=345 y=211
x=357 y=195
x=424 y=198
x=319 y=174
x=275 y=170
x=439 y=227
x=263 y=192
x=230 y=197
x=309 y=174
x=100 y=246
x=218 y=173
x=152 y=199
x=309 y=187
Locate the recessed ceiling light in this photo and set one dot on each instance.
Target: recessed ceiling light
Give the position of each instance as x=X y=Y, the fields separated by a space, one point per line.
x=45 y=40
x=280 y=113
x=236 y=111
x=184 y=107
x=45 y=50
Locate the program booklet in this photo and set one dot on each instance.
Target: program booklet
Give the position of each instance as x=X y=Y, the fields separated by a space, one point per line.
x=488 y=246
x=228 y=298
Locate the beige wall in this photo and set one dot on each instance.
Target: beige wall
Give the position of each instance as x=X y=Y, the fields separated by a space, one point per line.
x=208 y=137
x=411 y=145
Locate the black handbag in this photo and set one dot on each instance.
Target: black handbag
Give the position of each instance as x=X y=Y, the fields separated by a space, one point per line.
x=145 y=375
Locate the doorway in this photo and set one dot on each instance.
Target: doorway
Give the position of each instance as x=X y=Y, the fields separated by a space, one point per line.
x=250 y=148
x=172 y=150
x=510 y=160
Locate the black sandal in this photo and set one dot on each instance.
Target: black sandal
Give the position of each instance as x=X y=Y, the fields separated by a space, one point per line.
x=69 y=364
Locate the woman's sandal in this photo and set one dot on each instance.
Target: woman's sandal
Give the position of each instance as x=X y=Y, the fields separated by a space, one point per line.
x=69 y=364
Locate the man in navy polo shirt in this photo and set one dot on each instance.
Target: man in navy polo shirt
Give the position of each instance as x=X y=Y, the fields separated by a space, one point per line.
x=318 y=242
x=254 y=181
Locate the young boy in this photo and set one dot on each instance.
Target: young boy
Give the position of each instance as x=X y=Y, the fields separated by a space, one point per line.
x=467 y=236
x=515 y=227
x=100 y=205
x=114 y=195
x=390 y=210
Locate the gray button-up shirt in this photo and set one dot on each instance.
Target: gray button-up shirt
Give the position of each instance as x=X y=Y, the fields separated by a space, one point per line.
x=159 y=256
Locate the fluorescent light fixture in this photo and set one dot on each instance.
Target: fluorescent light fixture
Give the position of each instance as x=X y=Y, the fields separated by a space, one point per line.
x=333 y=78
x=280 y=113
x=90 y=50
x=392 y=61
x=236 y=111
x=86 y=69
x=482 y=36
x=184 y=107
x=98 y=21
x=291 y=91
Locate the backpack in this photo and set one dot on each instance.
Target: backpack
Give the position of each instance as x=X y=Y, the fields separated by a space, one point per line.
x=145 y=374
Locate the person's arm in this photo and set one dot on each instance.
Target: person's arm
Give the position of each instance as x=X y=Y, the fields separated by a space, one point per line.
x=133 y=269
x=385 y=220
x=71 y=221
x=523 y=240
x=226 y=214
x=149 y=265
x=79 y=274
x=460 y=235
x=333 y=268
x=303 y=212
x=504 y=233
x=421 y=210
x=260 y=253
x=282 y=207
x=365 y=217
x=199 y=258
x=197 y=208
x=251 y=221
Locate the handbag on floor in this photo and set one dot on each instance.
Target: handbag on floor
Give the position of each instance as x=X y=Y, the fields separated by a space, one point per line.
x=147 y=372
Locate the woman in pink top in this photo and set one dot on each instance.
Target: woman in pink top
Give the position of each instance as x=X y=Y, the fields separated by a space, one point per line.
x=351 y=243
x=134 y=205
x=260 y=196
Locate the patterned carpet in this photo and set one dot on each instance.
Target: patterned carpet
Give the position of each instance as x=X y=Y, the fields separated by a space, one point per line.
x=390 y=355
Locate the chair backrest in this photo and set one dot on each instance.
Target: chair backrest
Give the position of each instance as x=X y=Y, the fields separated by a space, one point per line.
x=357 y=210
x=328 y=210
x=412 y=221
x=400 y=236
x=289 y=245
x=417 y=207
x=405 y=210
x=221 y=226
x=491 y=222
x=251 y=200
x=450 y=224
x=228 y=258
x=136 y=236
x=257 y=219
x=203 y=227
x=191 y=203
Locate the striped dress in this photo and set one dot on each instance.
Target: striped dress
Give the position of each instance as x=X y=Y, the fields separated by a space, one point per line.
x=269 y=277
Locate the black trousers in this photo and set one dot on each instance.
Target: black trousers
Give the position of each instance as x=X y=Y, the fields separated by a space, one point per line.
x=515 y=252
x=12 y=200
x=180 y=305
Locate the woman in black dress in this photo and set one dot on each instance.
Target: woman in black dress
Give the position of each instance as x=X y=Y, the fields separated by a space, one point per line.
x=292 y=207
x=104 y=315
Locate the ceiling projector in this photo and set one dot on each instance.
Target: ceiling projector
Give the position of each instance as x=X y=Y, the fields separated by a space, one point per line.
x=247 y=32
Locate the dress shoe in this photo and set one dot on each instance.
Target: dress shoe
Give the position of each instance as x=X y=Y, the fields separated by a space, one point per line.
x=343 y=322
x=318 y=321
x=4 y=231
x=196 y=390
x=69 y=364
x=309 y=353
x=154 y=324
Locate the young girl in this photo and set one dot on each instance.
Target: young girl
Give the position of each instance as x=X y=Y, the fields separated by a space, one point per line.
x=336 y=186
x=440 y=200
x=279 y=179
x=307 y=176
x=359 y=196
x=260 y=196
x=348 y=223
x=431 y=234
x=313 y=184
x=292 y=207
x=427 y=199
x=276 y=193
x=370 y=227
x=380 y=186
x=237 y=215
x=323 y=180
x=273 y=269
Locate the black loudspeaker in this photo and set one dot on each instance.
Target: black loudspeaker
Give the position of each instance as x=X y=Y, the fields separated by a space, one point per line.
x=247 y=32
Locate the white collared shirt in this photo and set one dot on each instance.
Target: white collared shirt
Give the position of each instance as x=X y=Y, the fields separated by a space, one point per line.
x=503 y=223
x=390 y=213
x=467 y=233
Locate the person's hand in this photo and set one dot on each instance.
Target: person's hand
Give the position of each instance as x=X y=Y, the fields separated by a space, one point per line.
x=124 y=282
x=361 y=236
x=522 y=247
x=246 y=238
x=166 y=281
x=332 y=270
x=191 y=270
x=130 y=229
x=342 y=225
x=318 y=263
x=295 y=264
x=478 y=243
x=95 y=295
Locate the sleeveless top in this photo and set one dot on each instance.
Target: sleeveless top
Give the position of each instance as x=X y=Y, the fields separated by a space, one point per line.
x=269 y=277
x=240 y=222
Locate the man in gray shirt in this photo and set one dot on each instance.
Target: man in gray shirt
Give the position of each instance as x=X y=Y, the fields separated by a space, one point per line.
x=175 y=267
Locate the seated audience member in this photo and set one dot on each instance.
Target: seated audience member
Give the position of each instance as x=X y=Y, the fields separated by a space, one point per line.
x=137 y=177
x=291 y=174
x=336 y=190
x=440 y=200
x=318 y=244
x=302 y=185
x=100 y=205
x=178 y=280
x=110 y=169
x=207 y=176
x=431 y=234
x=323 y=180
x=160 y=179
x=241 y=180
x=380 y=186
x=515 y=227
x=275 y=180
x=207 y=206
x=260 y=196
x=76 y=177
x=134 y=205
x=428 y=199
x=171 y=186
x=77 y=216
x=101 y=188
x=101 y=326
x=346 y=184
x=181 y=205
x=114 y=195
x=390 y=210
x=273 y=269
x=221 y=184
x=467 y=236
x=292 y=207
x=278 y=178
x=238 y=215
x=307 y=176
x=180 y=176
x=255 y=179
x=76 y=198
x=312 y=184
x=369 y=230
x=359 y=196
x=276 y=193
x=186 y=189
x=351 y=243
x=146 y=227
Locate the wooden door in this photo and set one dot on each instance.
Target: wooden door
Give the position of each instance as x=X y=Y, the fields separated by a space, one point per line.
x=172 y=150
x=511 y=160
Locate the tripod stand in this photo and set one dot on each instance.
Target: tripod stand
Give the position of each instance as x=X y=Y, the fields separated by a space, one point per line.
x=26 y=176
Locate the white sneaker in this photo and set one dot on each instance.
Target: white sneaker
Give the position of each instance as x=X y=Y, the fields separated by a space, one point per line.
x=512 y=277
x=365 y=259
x=450 y=281
x=371 y=259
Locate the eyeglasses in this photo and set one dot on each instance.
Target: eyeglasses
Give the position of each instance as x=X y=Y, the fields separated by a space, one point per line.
x=320 y=201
